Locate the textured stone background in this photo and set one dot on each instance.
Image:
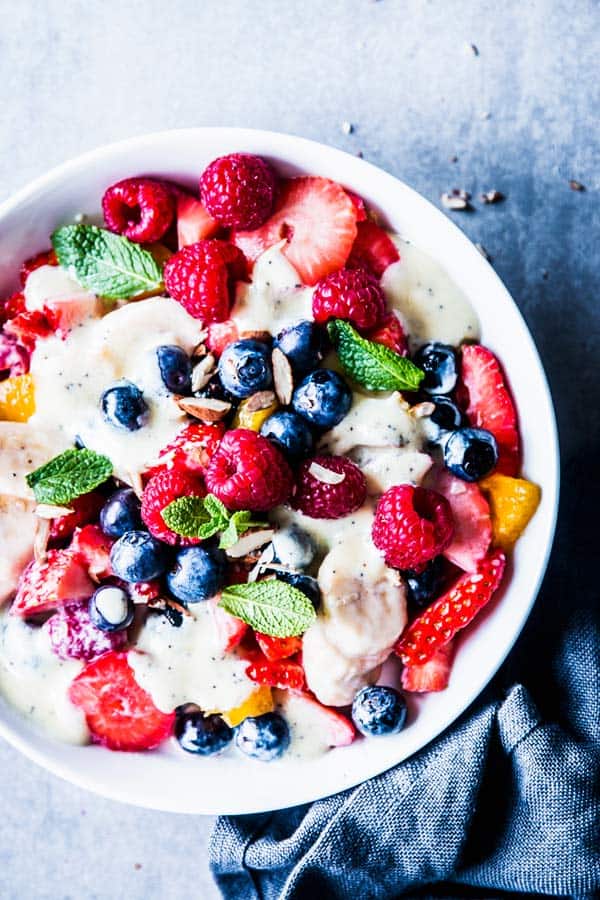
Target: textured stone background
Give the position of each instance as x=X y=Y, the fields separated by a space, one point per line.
x=521 y=116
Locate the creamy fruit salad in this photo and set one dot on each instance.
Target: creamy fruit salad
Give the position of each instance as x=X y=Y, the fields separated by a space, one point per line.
x=252 y=450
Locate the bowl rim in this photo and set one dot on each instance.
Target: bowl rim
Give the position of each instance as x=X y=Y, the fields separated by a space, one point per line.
x=239 y=137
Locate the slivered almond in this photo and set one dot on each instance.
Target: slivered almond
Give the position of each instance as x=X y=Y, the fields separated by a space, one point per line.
x=48 y=511
x=326 y=476
x=250 y=541
x=40 y=539
x=260 y=400
x=134 y=479
x=420 y=410
x=263 y=336
x=203 y=372
x=206 y=409
x=162 y=603
x=282 y=376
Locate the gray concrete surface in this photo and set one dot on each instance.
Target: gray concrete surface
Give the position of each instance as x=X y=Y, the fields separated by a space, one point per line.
x=520 y=116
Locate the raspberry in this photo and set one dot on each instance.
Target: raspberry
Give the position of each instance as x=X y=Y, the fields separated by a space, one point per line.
x=390 y=333
x=74 y=636
x=142 y=209
x=14 y=358
x=411 y=526
x=162 y=489
x=191 y=450
x=352 y=294
x=202 y=277
x=238 y=190
x=317 y=498
x=86 y=508
x=11 y=307
x=249 y=472
x=28 y=326
x=46 y=258
x=221 y=335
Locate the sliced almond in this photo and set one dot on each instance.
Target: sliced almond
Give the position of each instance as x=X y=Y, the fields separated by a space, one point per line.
x=206 y=409
x=48 y=511
x=134 y=480
x=40 y=539
x=250 y=541
x=203 y=372
x=263 y=336
x=260 y=400
x=163 y=602
x=282 y=376
x=420 y=410
x=326 y=476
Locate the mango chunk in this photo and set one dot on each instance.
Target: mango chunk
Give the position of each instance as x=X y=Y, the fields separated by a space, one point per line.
x=513 y=501
x=260 y=701
x=17 y=398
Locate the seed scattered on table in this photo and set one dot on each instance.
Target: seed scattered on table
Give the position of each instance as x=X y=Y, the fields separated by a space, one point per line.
x=576 y=185
x=456 y=199
x=493 y=197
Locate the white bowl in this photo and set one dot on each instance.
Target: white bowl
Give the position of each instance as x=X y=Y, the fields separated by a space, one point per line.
x=174 y=781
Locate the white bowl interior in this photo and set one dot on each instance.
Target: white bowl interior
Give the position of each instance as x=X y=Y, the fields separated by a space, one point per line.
x=169 y=779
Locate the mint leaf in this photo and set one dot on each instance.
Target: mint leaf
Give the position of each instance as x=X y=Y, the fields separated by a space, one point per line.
x=107 y=264
x=216 y=509
x=189 y=517
x=372 y=365
x=69 y=475
x=239 y=523
x=271 y=607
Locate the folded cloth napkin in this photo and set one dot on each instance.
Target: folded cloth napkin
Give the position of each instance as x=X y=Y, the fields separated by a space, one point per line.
x=505 y=802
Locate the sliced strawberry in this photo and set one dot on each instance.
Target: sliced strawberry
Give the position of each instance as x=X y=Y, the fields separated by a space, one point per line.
x=230 y=630
x=142 y=591
x=45 y=258
x=373 y=249
x=335 y=729
x=85 y=509
x=433 y=675
x=455 y=609
x=65 y=314
x=11 y=307
x=221 y=335
x=45 y=585
x=390 y=333
x=472 y=521
x=359 y=206
x=281 y=673
x=93 y=547
x=193 y=222
x=490 y=404
x=120 y=714
x=317 y=218
x=191 y=450
x=28 y=327
x=275 y=648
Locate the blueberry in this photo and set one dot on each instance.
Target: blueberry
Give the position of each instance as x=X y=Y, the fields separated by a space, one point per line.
x=120 y=513
x=304 y=345
x=245 y=367
x=293 y=547
x=445 y=417
x=438 y=361
x=378 y=710
x=290 y=432
x=137 y=556
x=175 y=369
x=263 y=737
x=197 y=733
x=123 y=406
x=197 y=574
x=424 y=587
x=471 y=453
x=111 y=608
x=323 y=398
x=304 y=583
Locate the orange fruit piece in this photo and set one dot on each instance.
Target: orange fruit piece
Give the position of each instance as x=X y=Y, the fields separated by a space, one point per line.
x=17 y=398
x=513 y=501
x=260 y=701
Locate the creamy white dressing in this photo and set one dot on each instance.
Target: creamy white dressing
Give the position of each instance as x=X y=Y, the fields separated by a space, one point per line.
x=431 y=306
x=52 y=283
x=308 y=729
x=23 y=448
x=185 y=664
x=70 y=376
x=36 y=681
x=17 y=529
x=275 y=298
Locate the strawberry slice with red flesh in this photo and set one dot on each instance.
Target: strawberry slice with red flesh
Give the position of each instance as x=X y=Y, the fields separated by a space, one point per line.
x=275 y=648
x=472 y=521
x=334 y=728
x=390 y=333
x=191 y=450
x=451 y=612
x=91 y=545
x=61 y=578
x=66 y=314
x=373 y=249
x=45 y=258
x=431 y=676
x=317 y=218
x=11 y=307
x=120 y=714
x=229 y=629
x=193 y=222
x=28 y=327
x=359 y=205
x=221 y=335
x=281 y=673
x=85 y=508
x=490 y=404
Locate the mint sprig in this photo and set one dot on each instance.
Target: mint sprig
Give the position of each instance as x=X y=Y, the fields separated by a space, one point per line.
x=271 y=607
x=203 y=517
x=107 y=264
x=69 y=475
x=372 y=365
